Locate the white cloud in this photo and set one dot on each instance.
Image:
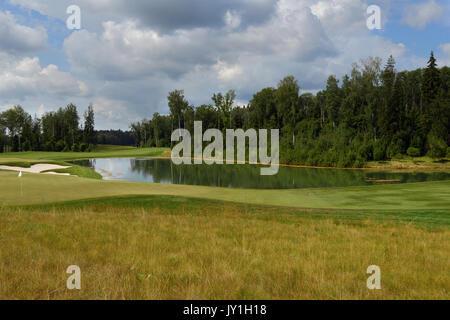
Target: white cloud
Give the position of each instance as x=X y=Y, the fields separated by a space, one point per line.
x=22 y=77
x=19 y=39
x=444 y=56
x=232 y=20
x=133 y=63
x=420 y=15
x=162 y=15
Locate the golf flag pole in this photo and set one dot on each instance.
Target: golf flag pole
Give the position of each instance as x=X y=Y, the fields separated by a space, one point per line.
x=20 y=176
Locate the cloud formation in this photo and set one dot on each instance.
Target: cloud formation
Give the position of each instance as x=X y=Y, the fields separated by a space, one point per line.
x=421 y=14
x=18 y=39
x=21 y=78
x=130 y=54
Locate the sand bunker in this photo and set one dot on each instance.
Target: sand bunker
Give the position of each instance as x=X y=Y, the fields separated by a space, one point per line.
x=38 y=168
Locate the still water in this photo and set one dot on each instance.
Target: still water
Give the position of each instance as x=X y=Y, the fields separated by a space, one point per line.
x=247 y=176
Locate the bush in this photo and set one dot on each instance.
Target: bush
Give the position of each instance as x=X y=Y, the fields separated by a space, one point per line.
x=379 y=150
x=365 y=152
x=59 y=146
x=359 y=163
x=26 y=146
x=67 y=148
x=448 y=152
x=413 y=152
x=438 y=147
x=393 y=150
x=75 y=147
x=83 y=147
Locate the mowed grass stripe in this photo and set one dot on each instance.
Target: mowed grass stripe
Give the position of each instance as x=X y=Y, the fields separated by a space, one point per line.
x=35 y=188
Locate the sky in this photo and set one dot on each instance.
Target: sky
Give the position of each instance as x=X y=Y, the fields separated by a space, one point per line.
x=129 y=54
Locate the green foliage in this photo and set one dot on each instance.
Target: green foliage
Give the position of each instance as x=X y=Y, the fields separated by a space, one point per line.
x=413 y=152
x=437 y=146
x=83 y=147
x=379 y=150
x=26 y=145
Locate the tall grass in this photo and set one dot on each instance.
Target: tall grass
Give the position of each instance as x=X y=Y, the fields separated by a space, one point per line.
x=190 y=249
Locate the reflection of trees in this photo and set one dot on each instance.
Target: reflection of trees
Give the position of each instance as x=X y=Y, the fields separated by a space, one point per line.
x=247 y=176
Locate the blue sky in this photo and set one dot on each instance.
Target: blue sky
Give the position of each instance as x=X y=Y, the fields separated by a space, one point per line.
x=130 y=54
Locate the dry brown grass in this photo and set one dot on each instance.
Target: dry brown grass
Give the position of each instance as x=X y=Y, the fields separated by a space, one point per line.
x=219 y=251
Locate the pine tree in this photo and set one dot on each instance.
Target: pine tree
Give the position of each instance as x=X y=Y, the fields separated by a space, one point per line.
x=431 y=82
x=385 y=112
x=432 y=117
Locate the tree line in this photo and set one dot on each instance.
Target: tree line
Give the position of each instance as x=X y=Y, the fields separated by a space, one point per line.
x=374 y=113
x=54 y=131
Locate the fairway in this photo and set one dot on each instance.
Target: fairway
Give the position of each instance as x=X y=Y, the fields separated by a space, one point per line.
x=43 y=189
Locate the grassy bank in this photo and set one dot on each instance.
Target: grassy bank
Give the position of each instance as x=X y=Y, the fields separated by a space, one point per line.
x=409 y=163
x=179 y=248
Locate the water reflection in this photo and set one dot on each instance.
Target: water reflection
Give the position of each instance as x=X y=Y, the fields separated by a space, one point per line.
x=247 y=176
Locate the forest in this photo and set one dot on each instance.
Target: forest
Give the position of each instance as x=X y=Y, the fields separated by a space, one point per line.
x=54 y=131
x=375 y=113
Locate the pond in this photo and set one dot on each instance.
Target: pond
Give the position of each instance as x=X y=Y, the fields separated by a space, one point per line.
x=247 y=176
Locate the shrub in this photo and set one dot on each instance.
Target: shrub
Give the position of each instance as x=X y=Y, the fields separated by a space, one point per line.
x=393 y=150
x=438 y=147
x=26 y=146
x=67 y=148
x=365 y=152
x=83 y=147
x=448 y=152
x=413 y=152
x=359 y=163
x=75 y=147
x=59 y=146
x=379 y=150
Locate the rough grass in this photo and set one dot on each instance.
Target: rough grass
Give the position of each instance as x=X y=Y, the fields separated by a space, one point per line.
x=100 y=152
x=410 y=163
x=178 y=248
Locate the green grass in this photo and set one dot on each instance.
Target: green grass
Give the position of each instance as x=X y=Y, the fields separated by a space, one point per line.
x=413 y=196
x=75 y=170
x=163 y=247
x=79 y=171
x=100 y=152
x=159 y=241
x=429 y=219
x=27 y=159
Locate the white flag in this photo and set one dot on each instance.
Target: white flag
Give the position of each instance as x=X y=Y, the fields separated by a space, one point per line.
x=20 y=174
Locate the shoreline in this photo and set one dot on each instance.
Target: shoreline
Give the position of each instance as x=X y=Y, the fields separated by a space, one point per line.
x=372 y=168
